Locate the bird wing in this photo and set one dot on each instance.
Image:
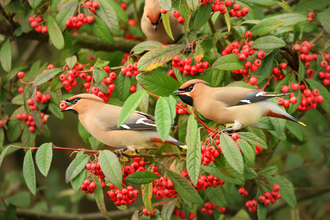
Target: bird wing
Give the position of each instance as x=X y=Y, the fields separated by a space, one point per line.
x=234 y=96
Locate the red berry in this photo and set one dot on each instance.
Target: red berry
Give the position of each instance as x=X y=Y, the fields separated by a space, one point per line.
x=283 y=65
x=20 y=74
x=63 y=105
x=295 y=86
x=30 y=102
x=262 y=199
x=32 y=129
x=247 y=34
x=177 y=212
x=21 y=89
x=90 y=19
x=241 y=190
x=235 y=136
x=30 y=19
x=261 y=54
x=191 y=216
x=285 y=89
x=236 y=7
x=296 y=47
x=228 y=3
x=163 y=11
x=50 y=66
x=324 y=64
x=276 y=70
x=222 y=209
x=267 y=195
x=96 y=4
x=123 y=5
x=276 y=187
x=253 y=80
x=183 y=215
x=176 y=14
x=242 y=56
x=293 y=100
x=44 y=29
x=133 y=88
x=180 y=19
x=257 y=62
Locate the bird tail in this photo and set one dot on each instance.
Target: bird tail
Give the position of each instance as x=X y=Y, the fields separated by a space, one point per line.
x=179 y=144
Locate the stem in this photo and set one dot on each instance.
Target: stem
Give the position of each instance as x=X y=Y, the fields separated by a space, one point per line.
x=219 y=45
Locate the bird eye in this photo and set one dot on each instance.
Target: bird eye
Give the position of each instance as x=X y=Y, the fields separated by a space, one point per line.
x=190 y=88
x=75 y=101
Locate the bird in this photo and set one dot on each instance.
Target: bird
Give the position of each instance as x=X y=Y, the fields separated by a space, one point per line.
x=153 y=27
x=100 y=120
x=226 y=105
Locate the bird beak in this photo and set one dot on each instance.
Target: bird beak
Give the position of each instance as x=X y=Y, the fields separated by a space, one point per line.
x=178 y=93
x=154 y=26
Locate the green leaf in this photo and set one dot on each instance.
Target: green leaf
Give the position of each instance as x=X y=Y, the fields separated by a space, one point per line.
x=220 y=163
x=216 y=196
x=301 y=71
x=199 y=53
x=44 y=158
x=324 y=18
x=158 y=56
x=295 y=129
x=249 y=173
x=129 y=106
x=120 y=12
x=123 y=84
x=111 y=167
x=146 y=45
x=158 y=83
x=261 y=208
x=95 y=144
x=266 y=26
x=21 y=199
x=3 y=154
x=163 y=118
x=78 y=180
x=228 y=62
x=64 y=14
x=291 y=18
x=283 y=82
x=286 y=7
x=166 y=4
x=75 y=167
x=99 y=199
x=184 y=188
x=2 y=138
x=34 y=3
x=266 y=68
x=29 y=172
x=71 y=61
x=268 y=42
x=99 y=75
x=44 y=77
x=278 y=124
x=15 y=129
x=168 y=209
x=5 y=56
x=323 y=91
x=232 y=153
x=202 y=15
x=84 y=134
x=28 y=137
x=102 y=31
x=192 y=4
x=287 y=189
x=56 y=110
x=227 y=19
x=211 y=168
x=100 y=63
x=147 y=195
x=253 y=139
x=108 y=15
x=247 y=150
x=142 y=177
x=18 y=100
x=268 y=171
x=217 y=77
x=172 y=104
x=194 y=157
x=55 y=33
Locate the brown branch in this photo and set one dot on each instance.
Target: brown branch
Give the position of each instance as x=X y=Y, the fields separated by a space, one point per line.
x=83 y=40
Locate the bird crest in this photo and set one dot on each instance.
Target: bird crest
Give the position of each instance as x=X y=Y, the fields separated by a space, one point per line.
x=193 y=81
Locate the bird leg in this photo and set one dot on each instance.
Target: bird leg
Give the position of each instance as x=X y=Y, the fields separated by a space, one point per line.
x=120 y=151
x=237 y=125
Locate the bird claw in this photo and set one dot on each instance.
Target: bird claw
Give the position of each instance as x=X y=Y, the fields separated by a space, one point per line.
x=120 y=151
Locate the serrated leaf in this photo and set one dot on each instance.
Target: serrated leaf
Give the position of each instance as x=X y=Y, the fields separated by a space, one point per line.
x=266 y=26
x=71 y=61
x=247 y=150
x=217 y=77
x=253 y=139
x=184 y=188
x=29 y=172
x=15 y=129
x=266 y=68
x=111 y=167
x=232 y=153
x=278 y=124
x=194 y=157
x=287 y=189
x=129 y=106
x=163 y=118
x=323 y=91
x=55 y=33
x=268 y=171
x=44 y=158
x=268 y=42
x=101 y=31
x=147 y=195
x=21 y=199
x=202 y=15
x=168 y=209
x=142 y=177
x=158 y=56
x=5 y=56
x=78 y=180
x=99 y=199
x=75 y=167
x=56 y=110
x=228 y=62
x=108 y=15
x=216 y=196
x=158 y=83
x=44 y=77
x=220 y=163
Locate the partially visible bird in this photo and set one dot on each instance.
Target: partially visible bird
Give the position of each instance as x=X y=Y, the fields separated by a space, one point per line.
x=226 y=105
x=153 y=27
x=100 y=120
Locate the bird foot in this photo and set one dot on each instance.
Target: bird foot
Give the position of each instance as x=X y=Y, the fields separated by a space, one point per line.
x=120 y=151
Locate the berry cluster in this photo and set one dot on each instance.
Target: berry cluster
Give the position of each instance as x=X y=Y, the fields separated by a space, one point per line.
x=136 y=166
x=164 y=187
x=35 y=23
x=92 y=6
x=205 y=182
x=39 y=98
x=1 y=123
x=311 y=16
x=208 y=208
x=124 y=196
x=217 y=6
x=258 y=149
x=178 y=16
x=146 y=212
x=243 y=192
x=208 y=154
x=270 y=197
x=183 y=215
x=76 y=22
x=68 y=78
x=185 y=66
x=180 y=110
x=304 y=49
x=325 y=76
x=236 y=12
x=277 y=71
x=130 y=70
x=89 y=186
x=29 y=120
x=252 y=205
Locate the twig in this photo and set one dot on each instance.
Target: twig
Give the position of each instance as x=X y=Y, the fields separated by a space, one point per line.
x=317 y=37
x=219 y=45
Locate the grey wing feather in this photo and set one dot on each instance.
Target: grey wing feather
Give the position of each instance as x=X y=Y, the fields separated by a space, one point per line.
x=258 y=96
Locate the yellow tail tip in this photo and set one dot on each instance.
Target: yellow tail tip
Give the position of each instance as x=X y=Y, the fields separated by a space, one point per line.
x=302 y=123
x=184 y=147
